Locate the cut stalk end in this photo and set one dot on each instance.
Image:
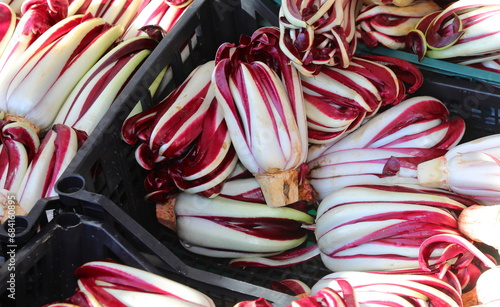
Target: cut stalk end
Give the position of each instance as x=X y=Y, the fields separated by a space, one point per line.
x=9 y=206
x=402 y=3
x=433 y=173
x=281 y=188
x=165 y=214
x=16 y=118
x=481 y=224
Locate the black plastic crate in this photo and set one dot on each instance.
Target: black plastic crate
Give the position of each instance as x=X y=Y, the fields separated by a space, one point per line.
x=110 y=173
x=44 y=265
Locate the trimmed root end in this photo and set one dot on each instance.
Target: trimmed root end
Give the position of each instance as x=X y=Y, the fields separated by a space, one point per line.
x=433 y=173
x=307 y=192
x=403 y=3
x=9 y=206
x=18 y=211
x=20 y=119
x=481 y=224
x=280 y=189
x=165 y=214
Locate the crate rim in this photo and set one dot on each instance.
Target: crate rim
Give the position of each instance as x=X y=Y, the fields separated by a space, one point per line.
x=437 y=65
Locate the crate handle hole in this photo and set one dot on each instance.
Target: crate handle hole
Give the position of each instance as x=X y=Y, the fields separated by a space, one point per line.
x=68 y=220
x=70 y=184
x=19 y=224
